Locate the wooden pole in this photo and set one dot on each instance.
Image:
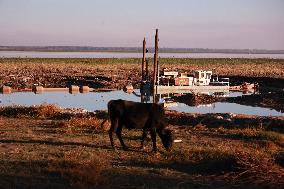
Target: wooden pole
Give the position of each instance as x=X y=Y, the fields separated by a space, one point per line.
x=158 y=72
x=147 y=71
x=154 y=71
x=155 y=58
x=144 y=59
x=155 y=66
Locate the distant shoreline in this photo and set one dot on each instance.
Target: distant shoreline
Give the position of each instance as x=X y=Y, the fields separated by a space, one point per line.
x=134 y=50
x=104 y=54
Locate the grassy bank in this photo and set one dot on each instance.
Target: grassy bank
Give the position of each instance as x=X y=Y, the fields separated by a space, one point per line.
x=221 y=66
x=115 y=73
x=46 y=147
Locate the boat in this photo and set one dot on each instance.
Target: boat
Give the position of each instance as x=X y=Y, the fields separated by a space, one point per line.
x=197 y=81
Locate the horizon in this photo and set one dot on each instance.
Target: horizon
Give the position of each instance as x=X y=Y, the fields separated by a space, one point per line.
x=243 y=24
x=132 y=47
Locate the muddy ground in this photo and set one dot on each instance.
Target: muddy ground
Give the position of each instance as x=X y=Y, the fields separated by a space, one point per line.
x=46 y=147
x=116 y=73
x=273 y=100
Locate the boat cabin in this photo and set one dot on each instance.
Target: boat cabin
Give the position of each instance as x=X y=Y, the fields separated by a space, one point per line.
x=197 y=78
x=168 y=73
x=202 y=77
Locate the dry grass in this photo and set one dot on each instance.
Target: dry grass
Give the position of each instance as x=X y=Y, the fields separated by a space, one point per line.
x=46 y=147
x=253 y=134
x=75 y=152
x=81 y=174
x=40 y=111
x=22 y=73
x=93 y=124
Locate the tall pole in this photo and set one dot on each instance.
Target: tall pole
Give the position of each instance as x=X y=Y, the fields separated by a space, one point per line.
x=144 y=59
x=147 y=71
x=158 y=72
x=155 y=66
x=155 y=58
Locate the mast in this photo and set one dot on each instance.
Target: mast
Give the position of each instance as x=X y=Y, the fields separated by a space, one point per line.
x=156 y=58
x=144 y=60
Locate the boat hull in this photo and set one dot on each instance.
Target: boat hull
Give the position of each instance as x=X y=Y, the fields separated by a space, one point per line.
x=160 y=89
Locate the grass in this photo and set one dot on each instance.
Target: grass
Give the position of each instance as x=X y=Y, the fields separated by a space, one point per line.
x=47 y=147
x=272 y=136
x=115 y=73
x=48 y=151
x=226 y=66
x=253 y=134
x=40 y=111
x=279 y=158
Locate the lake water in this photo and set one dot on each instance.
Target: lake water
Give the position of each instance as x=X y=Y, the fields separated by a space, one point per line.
x=98 y=101
x=31 y=54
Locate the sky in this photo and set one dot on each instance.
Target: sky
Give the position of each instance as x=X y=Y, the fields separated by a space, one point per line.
x=233 y=24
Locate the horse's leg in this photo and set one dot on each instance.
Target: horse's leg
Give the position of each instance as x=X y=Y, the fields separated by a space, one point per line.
x=118 y=133
x=144 y=135
x=112 y=130
x=153 y=136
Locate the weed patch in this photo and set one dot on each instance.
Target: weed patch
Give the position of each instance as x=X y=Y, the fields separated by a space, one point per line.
x=41 y=111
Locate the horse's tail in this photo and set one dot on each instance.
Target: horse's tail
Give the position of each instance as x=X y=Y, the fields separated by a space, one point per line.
x=108 y=111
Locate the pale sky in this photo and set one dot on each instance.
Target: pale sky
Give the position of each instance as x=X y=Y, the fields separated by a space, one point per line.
x=234 y=24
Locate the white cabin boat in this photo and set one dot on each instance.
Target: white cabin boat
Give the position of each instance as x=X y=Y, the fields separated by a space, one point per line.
x=197 y=81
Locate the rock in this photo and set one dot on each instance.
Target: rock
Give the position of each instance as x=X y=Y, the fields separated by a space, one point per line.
x=128 y=88
x=73 y=89
x=219 y=117
x=6 y=90
x=84 y=89
x=38 y=89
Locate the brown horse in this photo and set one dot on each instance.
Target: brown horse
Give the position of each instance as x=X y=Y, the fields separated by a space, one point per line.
x=147 y=116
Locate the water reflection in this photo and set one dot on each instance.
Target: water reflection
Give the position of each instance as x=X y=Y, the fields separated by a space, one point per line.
x=220 y=107
x=98 y=101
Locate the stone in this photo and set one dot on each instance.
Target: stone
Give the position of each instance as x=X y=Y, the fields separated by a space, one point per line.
x=6 y=90
x=73 y=89
x=84 y=89
x=38 y=89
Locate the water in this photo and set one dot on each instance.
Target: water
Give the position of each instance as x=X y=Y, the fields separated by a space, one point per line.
x=32 y=54
x=98 y=101
x=220 y=107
